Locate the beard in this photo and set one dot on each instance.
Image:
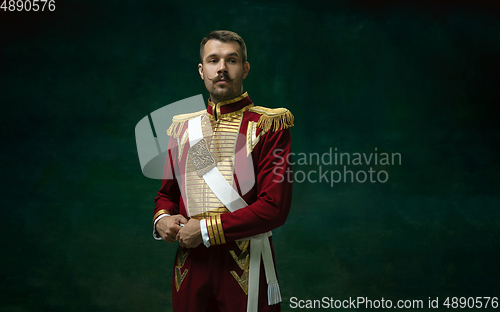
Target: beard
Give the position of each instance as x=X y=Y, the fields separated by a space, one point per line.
x=221 y=92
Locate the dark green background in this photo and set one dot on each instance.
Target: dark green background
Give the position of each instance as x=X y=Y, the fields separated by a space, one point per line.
x=411 y=78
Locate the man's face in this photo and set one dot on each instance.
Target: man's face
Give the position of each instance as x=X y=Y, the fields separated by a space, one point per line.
x=222 y=69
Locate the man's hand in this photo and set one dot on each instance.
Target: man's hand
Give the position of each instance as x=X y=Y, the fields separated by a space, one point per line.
x=168 y=227
x=190 y=235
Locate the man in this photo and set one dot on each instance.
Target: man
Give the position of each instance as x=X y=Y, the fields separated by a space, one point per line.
x=224 y=191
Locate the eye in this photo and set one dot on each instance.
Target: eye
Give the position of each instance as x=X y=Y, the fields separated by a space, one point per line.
x=232 y=61
x=212 y=61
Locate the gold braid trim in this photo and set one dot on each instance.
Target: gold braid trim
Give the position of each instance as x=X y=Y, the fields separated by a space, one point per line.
x=210 y=231
x=208 y=214
x=221 y=231
x=273 y=118
x=235 y=113
x=231 y=101
x=214 y=225
x=181 y=259
x=159 y=213
x=178 y=123
x=216 y=230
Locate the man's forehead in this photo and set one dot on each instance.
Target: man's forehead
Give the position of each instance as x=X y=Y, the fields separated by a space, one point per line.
x=216 y=47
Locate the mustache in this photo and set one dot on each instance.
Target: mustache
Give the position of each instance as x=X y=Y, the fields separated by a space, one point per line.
x=220 y=77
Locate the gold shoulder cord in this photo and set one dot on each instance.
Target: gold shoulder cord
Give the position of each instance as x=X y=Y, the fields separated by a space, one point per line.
x=273 y=118
x=178 y=123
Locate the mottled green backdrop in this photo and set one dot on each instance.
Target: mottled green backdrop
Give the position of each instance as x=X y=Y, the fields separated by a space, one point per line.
x=416 y=79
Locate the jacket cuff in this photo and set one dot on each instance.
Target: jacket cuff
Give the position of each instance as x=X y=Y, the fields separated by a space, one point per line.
x=215 y=231
x=160 y=214
x=204 y=233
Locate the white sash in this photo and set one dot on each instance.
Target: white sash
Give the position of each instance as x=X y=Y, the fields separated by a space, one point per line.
x=214 y=179
x=259 y=244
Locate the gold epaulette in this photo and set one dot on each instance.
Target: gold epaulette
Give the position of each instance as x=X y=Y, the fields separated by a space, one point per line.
x=178 y=122
x=273 y=118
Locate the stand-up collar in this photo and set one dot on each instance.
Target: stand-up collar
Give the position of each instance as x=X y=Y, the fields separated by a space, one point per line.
x=229 y=107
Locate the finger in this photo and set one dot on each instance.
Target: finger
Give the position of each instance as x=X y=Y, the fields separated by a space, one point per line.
x=179 y=222
x=181 y=219
x=167 y=238
x=174 y=228
x=161 y=232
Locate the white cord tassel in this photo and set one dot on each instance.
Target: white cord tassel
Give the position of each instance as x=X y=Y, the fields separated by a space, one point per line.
x=273 y=293
x=273 y=289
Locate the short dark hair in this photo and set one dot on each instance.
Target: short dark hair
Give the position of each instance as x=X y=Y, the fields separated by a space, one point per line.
x=224 y=36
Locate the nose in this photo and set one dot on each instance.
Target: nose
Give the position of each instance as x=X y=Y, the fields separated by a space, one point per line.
x=222 y=67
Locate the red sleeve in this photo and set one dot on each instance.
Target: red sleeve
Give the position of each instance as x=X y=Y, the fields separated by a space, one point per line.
x=273 y=178
x=167 y=200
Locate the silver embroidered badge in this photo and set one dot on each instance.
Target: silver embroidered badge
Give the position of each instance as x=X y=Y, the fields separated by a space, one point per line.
x=202 y=159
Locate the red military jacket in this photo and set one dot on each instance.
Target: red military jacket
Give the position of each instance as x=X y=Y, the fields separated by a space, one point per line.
x=252 y=146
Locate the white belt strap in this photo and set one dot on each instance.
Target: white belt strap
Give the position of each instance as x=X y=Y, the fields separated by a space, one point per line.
x=259 y=244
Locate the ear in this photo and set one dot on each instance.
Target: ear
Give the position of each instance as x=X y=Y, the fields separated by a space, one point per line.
x=246 y=69
x=200 y=70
